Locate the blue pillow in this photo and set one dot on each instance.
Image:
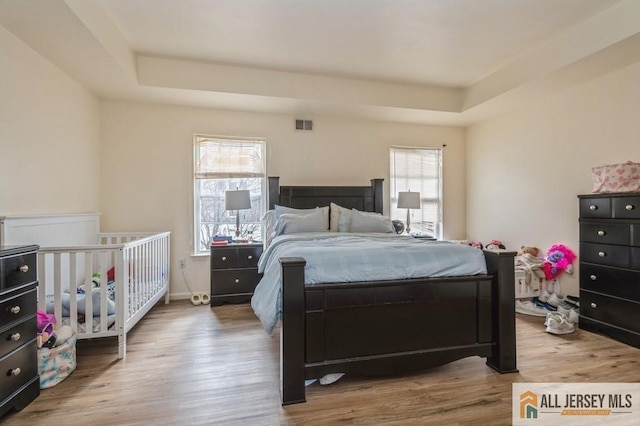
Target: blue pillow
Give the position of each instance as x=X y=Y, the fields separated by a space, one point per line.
x=280 y=210
x=367 y=222
x=295 y=223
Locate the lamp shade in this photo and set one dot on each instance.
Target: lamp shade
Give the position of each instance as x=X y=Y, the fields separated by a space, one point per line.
x=237 y=200
x=408 y=200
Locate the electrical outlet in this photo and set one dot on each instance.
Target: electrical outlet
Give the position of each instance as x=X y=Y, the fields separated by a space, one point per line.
x=182 y=263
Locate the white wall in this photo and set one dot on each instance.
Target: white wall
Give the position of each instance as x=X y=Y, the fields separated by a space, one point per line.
x=147 y=153
x=526 y=168
x=49 y=136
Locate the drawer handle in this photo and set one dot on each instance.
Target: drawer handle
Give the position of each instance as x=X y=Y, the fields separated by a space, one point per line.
x=224 y=258
x=237 y=280
x=601 y=233
x=14 y=372
x=628 y=207
x=602 y=254
x=15 y=310
x=249 y=257
x=593 y=277
x=592 y=207
x=24 y=268
x=593 y=305
x=15 y=337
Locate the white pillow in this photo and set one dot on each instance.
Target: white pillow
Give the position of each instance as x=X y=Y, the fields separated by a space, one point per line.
x=280 y=210
x=367 y=222
x=334 y=218
x=294 y=223
x=269 y=224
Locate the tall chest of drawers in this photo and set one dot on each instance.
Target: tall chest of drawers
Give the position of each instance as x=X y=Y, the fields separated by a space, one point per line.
x=610 y=265
x=234 y=272
x=19 y=380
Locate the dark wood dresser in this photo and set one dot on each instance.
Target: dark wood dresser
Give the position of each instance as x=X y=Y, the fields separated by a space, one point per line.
x=610 y=265
x=19 y=380
x=234 y=272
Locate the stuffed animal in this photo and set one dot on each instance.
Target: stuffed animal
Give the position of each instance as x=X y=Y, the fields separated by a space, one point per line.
x=533 y=251
x=494 y=245
x=559 y=259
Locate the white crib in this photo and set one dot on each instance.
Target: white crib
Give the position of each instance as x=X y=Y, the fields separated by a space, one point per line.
x=137 y=263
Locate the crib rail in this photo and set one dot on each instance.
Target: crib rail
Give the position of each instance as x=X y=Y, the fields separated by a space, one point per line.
x=140 y=263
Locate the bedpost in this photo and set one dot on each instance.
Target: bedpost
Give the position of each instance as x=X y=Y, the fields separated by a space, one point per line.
x=274 y=191
x=500 y=264
x=292 y=331
x=376 y=189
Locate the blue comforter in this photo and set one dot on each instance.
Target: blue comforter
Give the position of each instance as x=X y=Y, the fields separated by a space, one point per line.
x=338 y=258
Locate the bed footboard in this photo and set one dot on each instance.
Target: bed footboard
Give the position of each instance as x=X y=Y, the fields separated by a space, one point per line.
x=379 y=327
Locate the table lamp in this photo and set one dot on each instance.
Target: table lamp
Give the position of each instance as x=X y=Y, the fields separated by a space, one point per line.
x=408 y=200
x=237 y=200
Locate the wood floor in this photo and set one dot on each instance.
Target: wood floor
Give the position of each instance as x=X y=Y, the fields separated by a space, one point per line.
x=193 y=365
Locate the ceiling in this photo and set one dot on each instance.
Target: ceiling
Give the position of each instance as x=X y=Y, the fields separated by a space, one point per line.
x=449 y=62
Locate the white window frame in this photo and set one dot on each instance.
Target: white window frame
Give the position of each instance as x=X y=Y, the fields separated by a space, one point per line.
x=232 y=172
x=426 y=178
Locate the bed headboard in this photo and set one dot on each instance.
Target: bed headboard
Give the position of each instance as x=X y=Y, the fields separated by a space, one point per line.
x=363 y=198
x=50 y=230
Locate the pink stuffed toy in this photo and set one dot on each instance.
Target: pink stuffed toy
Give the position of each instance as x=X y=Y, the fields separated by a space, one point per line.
x=559 y=258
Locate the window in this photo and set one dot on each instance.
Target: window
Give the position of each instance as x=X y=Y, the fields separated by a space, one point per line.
x=418 y=170
x=221 y=164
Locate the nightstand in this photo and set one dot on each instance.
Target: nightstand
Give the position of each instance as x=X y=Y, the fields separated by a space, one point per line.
x=234 y=272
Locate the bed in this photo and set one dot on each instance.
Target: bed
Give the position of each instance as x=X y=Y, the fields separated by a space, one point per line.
x=390 y=326
x=101 y=284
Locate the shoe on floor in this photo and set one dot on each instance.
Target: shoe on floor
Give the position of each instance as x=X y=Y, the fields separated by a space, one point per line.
x=558 y=324
x=544 y=296
x=571 y=314
x=550 y=315
x=527 y=307
x=555 y=300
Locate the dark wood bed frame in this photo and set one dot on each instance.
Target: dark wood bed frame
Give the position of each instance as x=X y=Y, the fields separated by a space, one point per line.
x=387 y=327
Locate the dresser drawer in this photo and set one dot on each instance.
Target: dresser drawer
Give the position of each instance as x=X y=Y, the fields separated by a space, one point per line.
x=17 y=308
x=606 y=233
x=234 y=281
x=17 y=369
x=17 y=335
x=626 y=207
x=596 y=207
x=605 y=254
x=619 y=312
x=17 y=271
x=611 y=281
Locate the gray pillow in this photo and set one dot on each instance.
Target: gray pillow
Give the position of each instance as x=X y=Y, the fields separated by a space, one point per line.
x=367 y=222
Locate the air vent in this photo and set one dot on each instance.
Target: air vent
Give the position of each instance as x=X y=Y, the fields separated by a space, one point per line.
x=304 y=125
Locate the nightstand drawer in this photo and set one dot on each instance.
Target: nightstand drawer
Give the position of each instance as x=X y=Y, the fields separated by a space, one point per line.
x=606 y=233
x=610 y=310
x=234 y=281
x=237 y=256
x=18 y=368
x=611 y=281
x=17 y=271
x=605 y=254
x=17 y=335
x=15 y=309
